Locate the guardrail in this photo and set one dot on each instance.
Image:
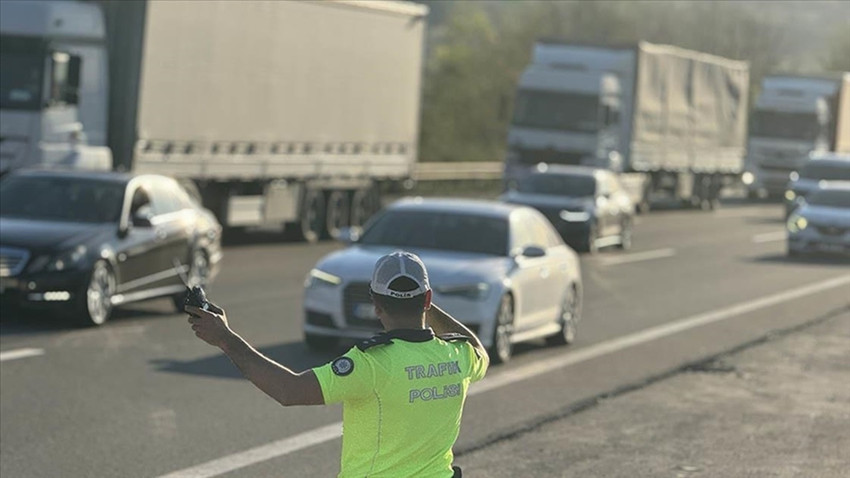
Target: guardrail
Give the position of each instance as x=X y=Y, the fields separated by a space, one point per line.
x=447 y=171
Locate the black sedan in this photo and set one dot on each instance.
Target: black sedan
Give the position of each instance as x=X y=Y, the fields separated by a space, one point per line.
x=81 y=243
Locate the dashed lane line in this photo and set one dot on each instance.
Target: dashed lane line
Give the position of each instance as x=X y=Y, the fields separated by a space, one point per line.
x=19 y=354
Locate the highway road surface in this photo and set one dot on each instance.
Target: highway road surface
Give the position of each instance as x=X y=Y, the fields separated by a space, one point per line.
x=142 y=397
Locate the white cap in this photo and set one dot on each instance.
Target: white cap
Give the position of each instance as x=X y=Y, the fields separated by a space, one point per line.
x=395 y=265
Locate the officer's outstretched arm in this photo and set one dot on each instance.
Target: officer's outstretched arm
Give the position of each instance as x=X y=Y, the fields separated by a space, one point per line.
x=277 y=381
x=443 y=323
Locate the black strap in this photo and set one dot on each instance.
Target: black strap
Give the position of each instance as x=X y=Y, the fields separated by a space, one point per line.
x=458 y=473
x=448 y=337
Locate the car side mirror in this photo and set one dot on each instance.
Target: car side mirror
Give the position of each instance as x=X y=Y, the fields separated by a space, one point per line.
x=349 y=235
x=142 y=217
x=533 y=251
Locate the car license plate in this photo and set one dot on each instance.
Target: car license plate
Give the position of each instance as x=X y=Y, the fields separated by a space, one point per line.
x=365 y=312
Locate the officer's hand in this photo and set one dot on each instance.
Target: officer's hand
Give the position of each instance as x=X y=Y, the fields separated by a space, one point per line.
x=209 y=325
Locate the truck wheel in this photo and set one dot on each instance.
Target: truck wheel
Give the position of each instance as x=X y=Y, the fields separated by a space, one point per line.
x=364 y=203
x=337 y=215
x=311 y=222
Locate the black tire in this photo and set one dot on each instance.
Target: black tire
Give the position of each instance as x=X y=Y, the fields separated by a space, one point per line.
x=320 y=343
x=364 y=203
x=198 y=274
x=502 y=349
x=338 y=213
x=569 y=318
x=625 y=234
x=589 y=245
x=95 y=304
x=311 y=223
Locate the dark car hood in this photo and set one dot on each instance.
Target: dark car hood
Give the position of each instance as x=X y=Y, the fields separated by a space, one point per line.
x=44 y=235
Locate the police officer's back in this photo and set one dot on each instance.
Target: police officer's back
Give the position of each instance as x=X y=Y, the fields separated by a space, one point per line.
x=402 y=391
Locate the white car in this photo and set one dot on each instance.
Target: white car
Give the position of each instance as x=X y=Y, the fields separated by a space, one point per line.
x=822 y=223
x=500 y=269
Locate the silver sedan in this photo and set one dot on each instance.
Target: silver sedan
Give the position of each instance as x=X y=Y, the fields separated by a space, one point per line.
x=501 y=269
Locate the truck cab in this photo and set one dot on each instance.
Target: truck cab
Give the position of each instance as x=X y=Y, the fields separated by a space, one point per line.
x=53 y=95
x=793 y=117
x=564 y=116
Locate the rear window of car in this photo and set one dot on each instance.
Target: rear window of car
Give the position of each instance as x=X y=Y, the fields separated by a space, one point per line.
x=828 y=171
x=445 y=231
x=558 y=185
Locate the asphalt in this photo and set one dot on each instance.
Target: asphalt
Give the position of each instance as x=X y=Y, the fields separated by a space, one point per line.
x=778 y=406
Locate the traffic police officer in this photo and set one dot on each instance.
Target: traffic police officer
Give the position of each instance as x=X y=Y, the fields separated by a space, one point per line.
x=402 y=391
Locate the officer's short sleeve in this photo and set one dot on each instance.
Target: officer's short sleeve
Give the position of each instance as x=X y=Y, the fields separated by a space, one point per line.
x=477 y=364
x=349 y=377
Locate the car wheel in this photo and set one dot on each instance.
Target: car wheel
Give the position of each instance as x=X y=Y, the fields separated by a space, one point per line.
x=502 y=348
x=320 y=342
x=570 y=315
x=364 y=203
x=199 y=274
x=97 y=303
x=589 y=244
x=626 y=235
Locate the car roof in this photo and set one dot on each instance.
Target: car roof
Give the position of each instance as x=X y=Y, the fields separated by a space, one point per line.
x=111 y=176
x=830 y=156
x=478 y=207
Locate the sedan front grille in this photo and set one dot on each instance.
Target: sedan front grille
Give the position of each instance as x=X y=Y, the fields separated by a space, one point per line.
x=832 y=230
x=356 y=302
x=12 y=261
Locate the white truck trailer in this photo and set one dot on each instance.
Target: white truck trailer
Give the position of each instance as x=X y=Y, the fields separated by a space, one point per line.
x=671 y=121
x=279 y=112
x=794 y=117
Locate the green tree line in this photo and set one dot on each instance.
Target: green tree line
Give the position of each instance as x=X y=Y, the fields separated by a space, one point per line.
x=477 y=51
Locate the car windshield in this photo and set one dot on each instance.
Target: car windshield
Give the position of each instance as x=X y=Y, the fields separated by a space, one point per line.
x=831 y=198
x=828 y=171
x=775 y=124
x=21 y=76
x=445 y=231
x=558 y=185
x=61 y=199
x=558 y=111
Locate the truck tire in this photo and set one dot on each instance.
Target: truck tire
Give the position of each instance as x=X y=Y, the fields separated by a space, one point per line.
x=338 y=213
x=311 y=221
x=364 y=203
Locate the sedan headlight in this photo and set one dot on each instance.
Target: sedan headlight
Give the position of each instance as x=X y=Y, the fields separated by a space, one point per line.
x=575 y=216
x=748 y=178
x=477 y=291
x=797 y=223
x=318 y=277
x=790 y=195
x=67 y=260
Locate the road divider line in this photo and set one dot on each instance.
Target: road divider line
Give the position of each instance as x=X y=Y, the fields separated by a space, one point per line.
x=19 y=354
x=333 y=431
x=637 y=257
x=769 y=237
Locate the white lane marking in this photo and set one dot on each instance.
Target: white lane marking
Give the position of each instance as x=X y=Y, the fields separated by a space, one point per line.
x=637 y=257
x=19 y=354
x=330 y=432
x=770 y=237
x=261 y=453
